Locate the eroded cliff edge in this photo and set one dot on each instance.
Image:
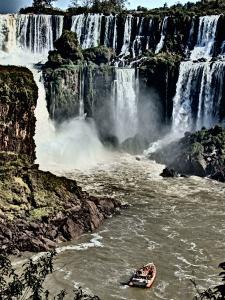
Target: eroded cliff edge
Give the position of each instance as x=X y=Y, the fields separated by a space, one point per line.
x=37 y=209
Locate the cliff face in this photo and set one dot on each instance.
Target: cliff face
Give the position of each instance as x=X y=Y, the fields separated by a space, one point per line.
x=63 y=92
x=160 y=73
x=37 y=209
x=80 y=83
x=18 y=97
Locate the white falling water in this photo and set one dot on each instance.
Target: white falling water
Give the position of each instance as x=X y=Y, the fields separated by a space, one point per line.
x=200 y=85
x=125 y=104
x=91 y=33
x=37 y=33
x=182 y=103
x=115 y=34
x=72 y=145
x=78 y=25
x=109 y=34
x=163 y=35
x=88 y=29
x=137 y=45
x=7 y=32
x=198 y=96
x=127 y=36
x=33 y=33
x=206 y=37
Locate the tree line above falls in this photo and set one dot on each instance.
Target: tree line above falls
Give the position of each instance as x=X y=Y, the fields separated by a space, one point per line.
x=200 y=8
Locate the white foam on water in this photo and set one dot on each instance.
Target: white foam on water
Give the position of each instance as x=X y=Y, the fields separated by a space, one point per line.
x=95 y=242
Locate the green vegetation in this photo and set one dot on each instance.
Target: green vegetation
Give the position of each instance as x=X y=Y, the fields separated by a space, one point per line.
x=189 y=9
x=178 y=10
x=216 y=293
x=30 y=283
x=163 y=58
x=95 y=6
x=99 y=55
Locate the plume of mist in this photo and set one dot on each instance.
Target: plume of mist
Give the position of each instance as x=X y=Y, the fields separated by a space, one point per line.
x=73 y=144
x=150 y=111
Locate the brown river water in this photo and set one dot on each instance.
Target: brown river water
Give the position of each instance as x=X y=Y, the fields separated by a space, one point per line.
x=176 y=223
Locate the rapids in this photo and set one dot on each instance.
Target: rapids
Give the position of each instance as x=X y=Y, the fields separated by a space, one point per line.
x=177 y=223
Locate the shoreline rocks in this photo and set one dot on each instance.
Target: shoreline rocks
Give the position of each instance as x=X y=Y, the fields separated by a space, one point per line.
x=201 y=153
x=39 y=210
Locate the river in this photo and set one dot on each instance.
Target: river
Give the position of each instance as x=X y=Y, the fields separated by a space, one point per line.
x=176 y=223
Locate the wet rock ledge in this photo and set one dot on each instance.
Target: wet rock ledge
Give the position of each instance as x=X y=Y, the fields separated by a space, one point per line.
x=37 y=209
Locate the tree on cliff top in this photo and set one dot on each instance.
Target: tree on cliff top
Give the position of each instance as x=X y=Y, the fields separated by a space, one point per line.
x=41 y=3
x=101 y=5
x=216 y=293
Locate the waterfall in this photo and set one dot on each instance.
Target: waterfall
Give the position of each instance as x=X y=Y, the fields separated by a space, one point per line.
x=88 y=29
x=206 y=37
x=137 y=43
x=160 y=45
x=127 y=36
x=34 y=33
x=7 y=32
x=199 y=96
x=200 y=92
x=37 y=33
x=91 y=32
x=125 y=104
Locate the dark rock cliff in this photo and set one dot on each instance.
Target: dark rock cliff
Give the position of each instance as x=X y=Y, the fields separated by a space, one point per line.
x=159 y=73
x=37 y=209
x=18 y=94
x=79 y=82
x=201 y=153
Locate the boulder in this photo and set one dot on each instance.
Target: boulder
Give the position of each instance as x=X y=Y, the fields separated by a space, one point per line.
x=169 y=173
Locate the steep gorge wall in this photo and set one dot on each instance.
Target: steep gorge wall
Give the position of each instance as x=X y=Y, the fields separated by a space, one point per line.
x=37 y=209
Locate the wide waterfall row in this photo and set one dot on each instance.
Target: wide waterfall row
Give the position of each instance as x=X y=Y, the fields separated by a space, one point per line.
x=34 y=33
x=129 y=36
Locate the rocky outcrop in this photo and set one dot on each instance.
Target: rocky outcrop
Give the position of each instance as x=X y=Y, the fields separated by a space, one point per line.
x=158 y=75
x=135 y=145
x=169 y=173
x=201 y=153
x=37 y=209
x=80 y=82
x=18 y=96
x=63 y=92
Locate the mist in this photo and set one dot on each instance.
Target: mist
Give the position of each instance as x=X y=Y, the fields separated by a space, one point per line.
x=73 y=144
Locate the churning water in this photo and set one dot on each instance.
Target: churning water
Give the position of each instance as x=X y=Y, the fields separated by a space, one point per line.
x=177 y=223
